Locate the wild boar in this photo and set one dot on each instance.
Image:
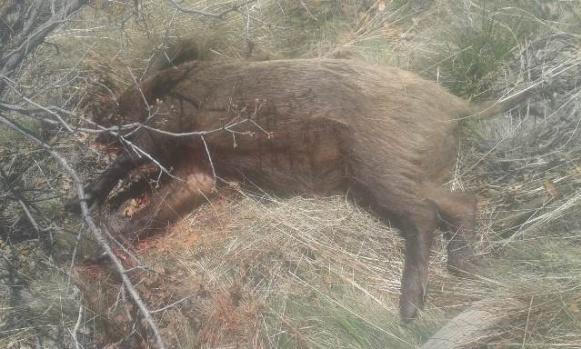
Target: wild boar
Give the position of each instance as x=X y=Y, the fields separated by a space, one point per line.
x=315 y=126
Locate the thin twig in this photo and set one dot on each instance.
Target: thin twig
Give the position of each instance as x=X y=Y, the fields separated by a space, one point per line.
x=171 y=305
x=209 y=157
x=76 y=328
x=524 y=336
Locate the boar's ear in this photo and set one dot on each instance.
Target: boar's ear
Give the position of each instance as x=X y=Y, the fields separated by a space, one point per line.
x=133 y=104
x=178 y=52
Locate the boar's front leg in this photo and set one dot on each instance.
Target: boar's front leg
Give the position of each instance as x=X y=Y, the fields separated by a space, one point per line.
x=154 y=145
x=192 y=186
x=97 y=191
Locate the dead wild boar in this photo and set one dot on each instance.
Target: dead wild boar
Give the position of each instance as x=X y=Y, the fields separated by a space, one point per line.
x=312 y=126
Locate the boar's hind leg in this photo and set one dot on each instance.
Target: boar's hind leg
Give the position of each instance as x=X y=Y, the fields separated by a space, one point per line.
x=417 y=218
x=458 y=214
x=418 y=225
x=166 y=206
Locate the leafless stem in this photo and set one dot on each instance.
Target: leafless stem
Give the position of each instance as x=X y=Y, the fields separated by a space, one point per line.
x=209 y=157
x=76 y=328
x=171 y=305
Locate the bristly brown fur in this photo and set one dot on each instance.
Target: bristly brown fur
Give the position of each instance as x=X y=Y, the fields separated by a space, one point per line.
x=304 y=126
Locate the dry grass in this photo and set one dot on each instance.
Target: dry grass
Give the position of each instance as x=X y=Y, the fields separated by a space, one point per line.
x=296 y=272
x=315 y=273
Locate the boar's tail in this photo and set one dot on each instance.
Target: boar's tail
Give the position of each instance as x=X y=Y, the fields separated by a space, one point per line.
x=488 y=109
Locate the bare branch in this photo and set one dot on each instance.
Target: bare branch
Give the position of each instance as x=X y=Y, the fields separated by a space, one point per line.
x=76 y=328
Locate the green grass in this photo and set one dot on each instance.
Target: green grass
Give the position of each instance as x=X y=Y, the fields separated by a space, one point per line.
x=480 y=39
